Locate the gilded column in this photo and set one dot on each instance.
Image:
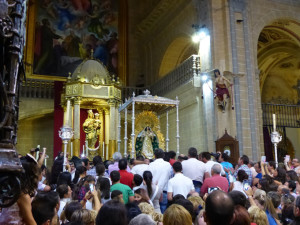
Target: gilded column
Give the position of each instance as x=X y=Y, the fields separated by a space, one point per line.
x=101 y=136
x=113 y=128
x=107 y=124
x=76 y=121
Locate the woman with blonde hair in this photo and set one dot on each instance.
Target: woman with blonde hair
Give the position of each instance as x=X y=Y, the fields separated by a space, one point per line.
x=258 y=216
x=177 y=215
x=148 y=209
x=87 y=217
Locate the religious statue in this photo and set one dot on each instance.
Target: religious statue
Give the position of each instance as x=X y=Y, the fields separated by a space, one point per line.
x=146 y=142
x=91 y=127
x=222 y=92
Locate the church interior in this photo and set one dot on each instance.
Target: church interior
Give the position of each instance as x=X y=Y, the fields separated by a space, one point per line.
x=135 y=65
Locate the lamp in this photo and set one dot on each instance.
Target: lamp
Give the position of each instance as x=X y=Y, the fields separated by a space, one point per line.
x=66 y=134
x=200 y=33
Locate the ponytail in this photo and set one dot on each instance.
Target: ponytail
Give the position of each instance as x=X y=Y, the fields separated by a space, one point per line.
x=147 y=176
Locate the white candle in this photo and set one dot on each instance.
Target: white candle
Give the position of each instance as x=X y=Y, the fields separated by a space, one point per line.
x=71 y=149
x=103 y=150
x=68 y=112
x=107 y=152
x=87 y=152
x=274 y=122
x=37 y=154
x=83 y=150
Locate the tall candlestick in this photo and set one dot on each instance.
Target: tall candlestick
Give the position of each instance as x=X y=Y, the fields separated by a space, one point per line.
x=274 y=122
x=68 y=112
x=103 y=150
x=71 y=149
x=107 y=152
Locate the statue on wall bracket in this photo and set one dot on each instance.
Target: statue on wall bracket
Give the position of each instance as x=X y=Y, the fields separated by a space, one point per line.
x=222 y=92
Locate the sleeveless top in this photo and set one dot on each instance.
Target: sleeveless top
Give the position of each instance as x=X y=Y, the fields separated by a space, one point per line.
x=11 y=216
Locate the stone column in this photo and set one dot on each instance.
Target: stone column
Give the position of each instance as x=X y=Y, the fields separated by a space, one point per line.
x=76 y=120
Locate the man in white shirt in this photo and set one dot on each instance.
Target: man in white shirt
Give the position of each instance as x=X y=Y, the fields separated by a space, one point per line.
x=179 y=184
x=206 y=158
x=194 y=169
x=161 y=172
x=140 y=168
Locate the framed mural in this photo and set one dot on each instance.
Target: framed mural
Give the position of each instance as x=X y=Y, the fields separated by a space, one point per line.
x=62 y=33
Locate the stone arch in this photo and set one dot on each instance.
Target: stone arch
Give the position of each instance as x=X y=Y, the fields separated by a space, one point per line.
x=179 y=50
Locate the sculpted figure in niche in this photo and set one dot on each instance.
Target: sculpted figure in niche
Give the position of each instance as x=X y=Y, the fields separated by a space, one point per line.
x=91 y=127
x=146 y=142
x=222 y=92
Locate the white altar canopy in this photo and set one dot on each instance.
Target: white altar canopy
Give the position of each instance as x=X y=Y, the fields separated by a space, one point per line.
x=157 y=104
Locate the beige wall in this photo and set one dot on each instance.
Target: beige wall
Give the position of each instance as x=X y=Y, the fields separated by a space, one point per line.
x=294 y=135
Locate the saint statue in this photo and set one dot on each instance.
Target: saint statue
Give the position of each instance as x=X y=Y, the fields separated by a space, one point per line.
x=91 y=127
x=146 y=142
x=222 y=92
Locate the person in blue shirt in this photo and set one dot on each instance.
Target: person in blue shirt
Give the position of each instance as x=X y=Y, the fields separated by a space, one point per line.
x=223 y=159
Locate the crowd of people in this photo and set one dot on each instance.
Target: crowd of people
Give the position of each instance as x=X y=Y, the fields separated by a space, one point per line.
x=200 y=188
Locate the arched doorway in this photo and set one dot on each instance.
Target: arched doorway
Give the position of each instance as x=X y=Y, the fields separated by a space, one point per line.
x=278 y=58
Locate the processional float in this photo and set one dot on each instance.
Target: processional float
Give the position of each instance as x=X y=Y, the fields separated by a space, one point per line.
x=145 y=111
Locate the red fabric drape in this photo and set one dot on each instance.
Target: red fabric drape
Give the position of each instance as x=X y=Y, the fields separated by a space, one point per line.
x=58 y=117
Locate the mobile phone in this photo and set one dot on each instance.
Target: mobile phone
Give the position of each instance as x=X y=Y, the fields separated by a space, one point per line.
x=246 y=186
x=287 y=158
x=91 y=187
x=263 y=158
x=211 y=189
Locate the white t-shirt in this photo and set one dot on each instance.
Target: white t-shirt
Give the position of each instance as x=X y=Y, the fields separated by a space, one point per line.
x=161 y=172
x=209 y=164
x=139 y=169
x=62 y=205
x=238 y=186
x=180 y=184
x=193 y=169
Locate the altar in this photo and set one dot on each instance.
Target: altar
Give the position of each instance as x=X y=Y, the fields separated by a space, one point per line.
x=145 y=135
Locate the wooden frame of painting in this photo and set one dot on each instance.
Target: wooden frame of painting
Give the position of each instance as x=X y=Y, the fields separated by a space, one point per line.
x=62 y=33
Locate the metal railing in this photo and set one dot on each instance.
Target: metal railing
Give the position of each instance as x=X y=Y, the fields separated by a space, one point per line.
x=286 y=115
x=177 y=77
x=37 y=89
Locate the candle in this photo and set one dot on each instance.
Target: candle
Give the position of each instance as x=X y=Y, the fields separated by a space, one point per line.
x=83 y=150
x=45 y=161
x=103 y=150
x=68 y=112
x=87 y=152
x=107 y=152
x=274 y=122
x=37 y=153
x=71 y=149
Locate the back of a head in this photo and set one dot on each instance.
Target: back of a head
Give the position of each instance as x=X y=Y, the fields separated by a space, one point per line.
x=242 y=175
x=258 y=216
x=216 y=168
x=103 y=185
x=241 y=216
x=245 y=159
x=70 y=208
x=138 y=179
x=225 y=156
x=275 y=198
x=206 y=155
x=85 y=161
x=132 y=211
x=83 y=215
x=238 y=198
x=122 y=164
x=64 y=178
x=159 y=153
x=62 y=190
x=42 y=210
x=177 y=167
x=260 y=196
x=97 y=160
x=172 y=154
x=219 y=208
x=142 y=219
x=112 y=213
x=192 y=152
x=187 y=205
x=115 y=193
x=117 y=156
x=100 y=169
x=115 y=176
x=177 y=215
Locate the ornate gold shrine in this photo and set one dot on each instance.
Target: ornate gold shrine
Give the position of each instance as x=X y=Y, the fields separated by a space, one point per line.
x=91 y=87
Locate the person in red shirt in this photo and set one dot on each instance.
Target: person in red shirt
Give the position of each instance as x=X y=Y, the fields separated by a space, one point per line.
x=172 y=156
x=126 y=177
x=216 y=180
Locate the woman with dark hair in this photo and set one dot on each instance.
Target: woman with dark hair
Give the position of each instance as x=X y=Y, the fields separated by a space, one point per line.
x=79 y=174
x=57 y=168
x=292 y=175
x=65 y=178
x=279 y=176
x=153 y=191
x=267 y=184
x=238 y=185
x=20 y=212
x=103 y=185
x=112 y=213
x=83 y=187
